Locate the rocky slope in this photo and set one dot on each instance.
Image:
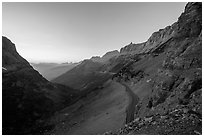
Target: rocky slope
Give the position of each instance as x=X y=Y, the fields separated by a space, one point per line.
x=28 y=99
x=166 y=73
x=184 y=28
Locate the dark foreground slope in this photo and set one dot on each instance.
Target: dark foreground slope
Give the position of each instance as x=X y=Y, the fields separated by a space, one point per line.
x=166 y=74
x=28 y=99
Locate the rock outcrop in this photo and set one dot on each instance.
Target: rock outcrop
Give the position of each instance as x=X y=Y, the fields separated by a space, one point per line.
x=96 y=59
x=110 y=55
x=106 y=57
x=188 y=25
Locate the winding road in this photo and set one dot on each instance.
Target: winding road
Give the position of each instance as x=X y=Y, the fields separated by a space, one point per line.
x=133 y=100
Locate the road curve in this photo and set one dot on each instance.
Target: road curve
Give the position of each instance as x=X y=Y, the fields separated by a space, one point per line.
x=133 y=100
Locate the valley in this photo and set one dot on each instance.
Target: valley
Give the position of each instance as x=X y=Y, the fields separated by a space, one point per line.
x=105 y=111
x=52 y=70
x=150 y=88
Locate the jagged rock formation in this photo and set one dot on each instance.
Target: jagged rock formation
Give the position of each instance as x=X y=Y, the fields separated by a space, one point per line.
x=166 y=73
x=96 y=58
x=183 y=28
x=105 y=58
x=28 y=99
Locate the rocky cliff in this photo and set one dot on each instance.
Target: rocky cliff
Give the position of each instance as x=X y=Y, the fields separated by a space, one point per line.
x=110 y=54
x=166 y=73
x=189 y=24
x=105 y=58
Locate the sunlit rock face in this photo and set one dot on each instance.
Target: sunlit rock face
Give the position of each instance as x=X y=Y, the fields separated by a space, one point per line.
x=189 y=24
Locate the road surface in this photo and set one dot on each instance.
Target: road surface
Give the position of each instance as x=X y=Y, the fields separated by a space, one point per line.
x=133 y=100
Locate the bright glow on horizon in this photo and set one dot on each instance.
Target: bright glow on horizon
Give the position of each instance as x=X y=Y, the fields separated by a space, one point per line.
x=71 y=32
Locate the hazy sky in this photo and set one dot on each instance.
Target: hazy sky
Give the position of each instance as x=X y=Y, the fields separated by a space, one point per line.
x=61 y=32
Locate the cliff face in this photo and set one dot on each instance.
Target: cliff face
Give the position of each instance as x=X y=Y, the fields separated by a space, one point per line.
x=28 y=99
x=189 y=24
x=166 y=74
x=156 y=39
x=132 y=48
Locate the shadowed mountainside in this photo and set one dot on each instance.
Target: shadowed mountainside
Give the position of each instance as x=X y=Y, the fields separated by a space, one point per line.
x=89 y=74
x=86 y=76
x=28 y=99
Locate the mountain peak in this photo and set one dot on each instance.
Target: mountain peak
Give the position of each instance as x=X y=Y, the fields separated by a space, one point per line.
x=189 y=24
x=111 y=54
x=95 y=58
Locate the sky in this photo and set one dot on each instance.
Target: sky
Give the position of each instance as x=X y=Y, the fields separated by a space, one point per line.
x=70 y=32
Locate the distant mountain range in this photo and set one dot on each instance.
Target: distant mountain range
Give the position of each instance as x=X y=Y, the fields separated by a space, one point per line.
x=53 y=70
x=87 y=73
